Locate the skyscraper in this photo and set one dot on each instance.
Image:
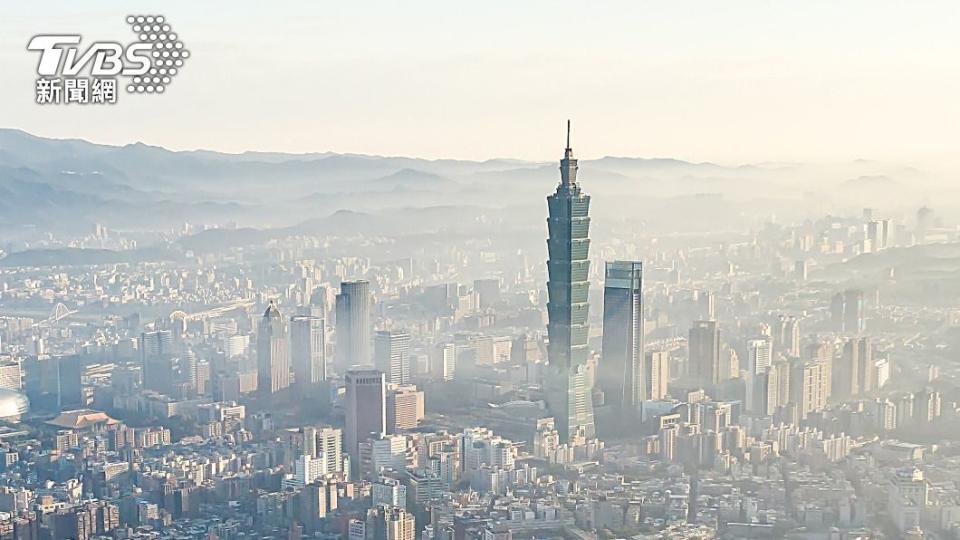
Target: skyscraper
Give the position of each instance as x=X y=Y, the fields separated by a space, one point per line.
x=353 y=325
x=621 y=373
x=836 y=311
x=928 y=405
x=853 y=374
x=307 y=350
x=759 y=354
x=762 y=399
x=443 y=361
x=706 y=304
x=807 y=387
x=567 y=392
x=704 y=353
x=847 y=311
x=763 y=392
x=656 y=374
x=404 y=407
x=866 y=375
x=782 y=367
x=395 y=523
x=788 y=336
x=853 y=320
x=156 y=343
x=273 y=356
x=822 y=353
x=329 y=444
x=391 y=355
x=366 y=413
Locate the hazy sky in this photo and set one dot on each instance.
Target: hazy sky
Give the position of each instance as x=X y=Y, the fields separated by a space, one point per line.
x=728 y=81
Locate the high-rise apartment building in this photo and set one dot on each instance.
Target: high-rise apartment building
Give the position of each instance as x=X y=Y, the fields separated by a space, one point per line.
x=928 y=405
x=443 y=361
x=308 y=469
x=822 y=353
x=656 y=367
x=807 y=386
x=788 y=336
x=396 y=524
x=329 y=445
x=782 y=367
x=759 y=354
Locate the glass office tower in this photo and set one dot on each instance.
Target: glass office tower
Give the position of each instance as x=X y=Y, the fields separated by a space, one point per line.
x=566 y=386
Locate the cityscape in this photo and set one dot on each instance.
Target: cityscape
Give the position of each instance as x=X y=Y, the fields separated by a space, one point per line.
x=782 y=384
x=446 y=271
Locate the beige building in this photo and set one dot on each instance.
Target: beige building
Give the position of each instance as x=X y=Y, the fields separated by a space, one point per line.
x=405 y=407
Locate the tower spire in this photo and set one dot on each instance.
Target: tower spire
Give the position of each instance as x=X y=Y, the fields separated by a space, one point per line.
x=568 y=165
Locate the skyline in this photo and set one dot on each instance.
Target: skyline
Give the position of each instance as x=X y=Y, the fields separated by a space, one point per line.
x=392 y=319
x=646 y=81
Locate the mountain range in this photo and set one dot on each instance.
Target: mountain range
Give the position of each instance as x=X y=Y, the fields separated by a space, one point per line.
x=67 y=185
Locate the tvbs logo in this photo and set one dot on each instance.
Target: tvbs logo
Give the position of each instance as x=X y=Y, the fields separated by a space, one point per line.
x=71 y=72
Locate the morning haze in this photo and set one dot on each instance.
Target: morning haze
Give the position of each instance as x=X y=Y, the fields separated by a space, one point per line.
x=485 y=271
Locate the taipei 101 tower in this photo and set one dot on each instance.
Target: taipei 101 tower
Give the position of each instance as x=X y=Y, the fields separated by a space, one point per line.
x=567 y=394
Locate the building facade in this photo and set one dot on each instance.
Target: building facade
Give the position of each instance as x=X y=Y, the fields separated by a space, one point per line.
x=621 y=372
x=353 y=325
x=566 y=384
x=273 y=355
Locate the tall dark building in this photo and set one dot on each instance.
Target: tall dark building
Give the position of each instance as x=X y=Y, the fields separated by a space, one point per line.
x=353 y=325
x=853 y=374
x=704 y=357
x=853 y=319
x=273 y=355
x=54 y=382
x=489 y=291
x=366 y=409
x=156 y=343
x=762 y=394
x=71 y=381
x=621 y=372
x=847 y=311
x=307 y=350
x=568 y=395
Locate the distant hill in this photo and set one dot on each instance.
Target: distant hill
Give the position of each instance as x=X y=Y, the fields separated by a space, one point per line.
x=85 y=257
x=414 y=180
x=66 y=185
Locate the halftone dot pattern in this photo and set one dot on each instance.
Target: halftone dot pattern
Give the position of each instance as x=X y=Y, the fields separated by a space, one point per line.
x=167 y=51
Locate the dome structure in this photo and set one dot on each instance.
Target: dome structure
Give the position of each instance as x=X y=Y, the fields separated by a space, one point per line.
x=13 y=405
